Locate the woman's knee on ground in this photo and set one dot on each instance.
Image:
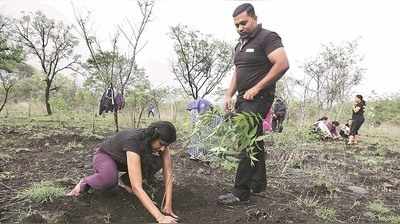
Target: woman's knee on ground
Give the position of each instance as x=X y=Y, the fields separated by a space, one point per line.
x=103 y=182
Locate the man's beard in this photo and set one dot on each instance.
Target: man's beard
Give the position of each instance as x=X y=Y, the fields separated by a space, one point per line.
x=244 y=35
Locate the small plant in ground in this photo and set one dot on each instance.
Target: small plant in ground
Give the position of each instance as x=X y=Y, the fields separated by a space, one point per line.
x=324 y=181
x=5 y=157
x=378 y=207
x=382 y=213
x=394 y=219
x=307 y=202
x=90 y=135
x=371 y=161
x=107 y=218
x=229 y=166
x=24 y=212
x=326 y=214
x=43 y=192
x=73 y=146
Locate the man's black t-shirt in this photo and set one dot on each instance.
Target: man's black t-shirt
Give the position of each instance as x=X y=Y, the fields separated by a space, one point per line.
x=251 y=61
x=131 y=140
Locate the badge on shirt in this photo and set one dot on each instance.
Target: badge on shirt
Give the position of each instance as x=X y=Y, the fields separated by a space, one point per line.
x=250 y=50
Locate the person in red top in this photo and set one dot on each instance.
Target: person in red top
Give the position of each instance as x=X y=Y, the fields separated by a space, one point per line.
x=333 y=129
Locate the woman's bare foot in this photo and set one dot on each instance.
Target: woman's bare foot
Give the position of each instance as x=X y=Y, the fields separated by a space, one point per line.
x=76 y=191
x=124 y=186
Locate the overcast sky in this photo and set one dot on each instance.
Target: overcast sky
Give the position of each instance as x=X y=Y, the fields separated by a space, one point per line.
x=303 y=25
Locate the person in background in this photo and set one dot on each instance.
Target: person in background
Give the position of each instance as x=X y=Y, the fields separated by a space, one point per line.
x=326 y=129
x=267 y=122
x=333 y=129
x=320 y=124
x=196 y=149
x=151 y=109
x=357 y=119
x=140 y=153
x=279 y=115
x=345 y=130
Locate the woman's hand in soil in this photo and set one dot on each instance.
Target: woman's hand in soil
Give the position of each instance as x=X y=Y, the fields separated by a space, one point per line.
x=167 y=219
x=169 y=212
x=76 y=191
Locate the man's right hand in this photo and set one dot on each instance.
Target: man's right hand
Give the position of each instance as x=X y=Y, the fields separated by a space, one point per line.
x=228 y=104
x=167 y=219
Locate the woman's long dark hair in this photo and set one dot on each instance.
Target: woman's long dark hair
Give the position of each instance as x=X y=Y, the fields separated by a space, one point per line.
x=163 y=130
x=362 y=100
x=324 y=118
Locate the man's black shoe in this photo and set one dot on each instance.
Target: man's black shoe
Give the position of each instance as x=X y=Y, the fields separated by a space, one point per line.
x=230 y=199
x=257 y=190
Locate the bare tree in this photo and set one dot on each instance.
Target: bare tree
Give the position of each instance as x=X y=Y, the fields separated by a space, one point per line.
x=201 y=62
x=134 y=36
x=114 y=68
x=51 y=43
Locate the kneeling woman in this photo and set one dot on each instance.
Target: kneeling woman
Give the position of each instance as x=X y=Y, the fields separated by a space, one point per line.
x=140 y=153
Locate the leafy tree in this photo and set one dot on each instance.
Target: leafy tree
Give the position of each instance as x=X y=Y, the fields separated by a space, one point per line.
x=10 y=56
x=51 y=43
x=139 y=98
x=332 y=74
x=29 y=87
x=201 y=62
x=142 y=95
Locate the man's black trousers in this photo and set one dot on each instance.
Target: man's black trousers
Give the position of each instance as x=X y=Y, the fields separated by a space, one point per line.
x=248 y=176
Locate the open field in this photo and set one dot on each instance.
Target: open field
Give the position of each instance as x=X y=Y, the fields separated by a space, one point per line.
x=309 y=181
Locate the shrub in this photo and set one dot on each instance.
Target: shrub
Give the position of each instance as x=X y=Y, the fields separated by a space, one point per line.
x=227 y=138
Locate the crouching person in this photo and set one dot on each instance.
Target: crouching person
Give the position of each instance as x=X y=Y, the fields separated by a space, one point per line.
x=140 y=153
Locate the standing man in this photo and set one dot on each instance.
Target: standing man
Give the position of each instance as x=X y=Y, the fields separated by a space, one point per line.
x=260 y=61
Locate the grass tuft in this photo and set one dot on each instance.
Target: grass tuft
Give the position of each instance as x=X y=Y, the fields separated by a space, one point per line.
x=43 y=192
x=326 y=214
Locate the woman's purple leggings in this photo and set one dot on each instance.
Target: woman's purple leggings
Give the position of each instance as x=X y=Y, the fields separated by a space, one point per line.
x=105 y=173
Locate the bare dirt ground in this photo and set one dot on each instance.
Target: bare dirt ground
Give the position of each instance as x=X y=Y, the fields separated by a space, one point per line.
x=319 y=183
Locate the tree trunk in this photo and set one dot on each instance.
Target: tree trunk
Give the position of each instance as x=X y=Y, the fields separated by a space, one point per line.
x=94 y=118
x=158 y=111
x=173 y=111
x=5 y=99
x=115 y=110
x=30 y=105
x=116 y=119
x=140 y=117
x=47 y=98
x=134 y=117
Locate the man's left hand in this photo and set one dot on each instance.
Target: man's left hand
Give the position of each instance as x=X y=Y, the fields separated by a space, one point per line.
x=251 y=93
